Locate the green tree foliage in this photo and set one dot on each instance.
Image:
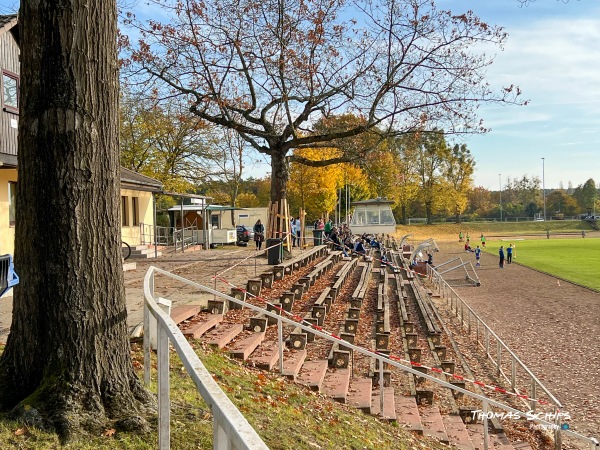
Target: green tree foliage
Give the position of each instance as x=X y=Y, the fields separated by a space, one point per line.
x=164 y=142
x=559 y=202
x=459 y=174
x=247 y=200
x=522 y=197
x=481 y=202
x=382 y=168
x=586 y=195
x=406 y=150
x=432 y=156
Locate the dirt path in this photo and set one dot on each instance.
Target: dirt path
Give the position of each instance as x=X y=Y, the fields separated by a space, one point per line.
x=552 y=325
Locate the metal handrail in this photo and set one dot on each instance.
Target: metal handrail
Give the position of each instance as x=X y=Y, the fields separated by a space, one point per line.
x=486 y=401
x=231 y=430
x=444 y=288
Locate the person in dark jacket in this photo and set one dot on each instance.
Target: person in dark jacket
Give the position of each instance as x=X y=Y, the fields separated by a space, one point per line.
x=359 y=247
x=259 y=234
x=337 y=242
x=501 y=254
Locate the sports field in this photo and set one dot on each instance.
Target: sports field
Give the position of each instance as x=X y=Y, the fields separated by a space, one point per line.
x=576 y=260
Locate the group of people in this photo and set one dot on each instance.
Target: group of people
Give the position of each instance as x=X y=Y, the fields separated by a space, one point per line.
x=504 y=254
x=501 y=254
x=341 y=237
x=509 y=255
x=468 y=241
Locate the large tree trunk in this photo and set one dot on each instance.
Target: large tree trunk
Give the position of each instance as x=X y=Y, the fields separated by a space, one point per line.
x=279 y=225
x=280 y=175
x=67 y=361
x=428 y=213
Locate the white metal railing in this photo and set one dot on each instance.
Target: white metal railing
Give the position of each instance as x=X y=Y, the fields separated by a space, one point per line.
x=469 y=319
x=146 y=233
x=317 y=331
x=185 y=237
x=231 y=431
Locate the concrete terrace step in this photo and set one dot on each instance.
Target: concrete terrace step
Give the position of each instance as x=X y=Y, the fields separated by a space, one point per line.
x=146 y=254
x=184 y=312
x=389 y=404
x=223 y=335
x=266 y=356
x=129 y=266
x=457 y=432
x=139 y=247
x=497 y=441
x=292 y=363
x=245 y=346
x=522 y=446
x=407 y=412
x=198 y=329
x=359 y=394
x=432 y=423
x=312 y=374
x=336 y=384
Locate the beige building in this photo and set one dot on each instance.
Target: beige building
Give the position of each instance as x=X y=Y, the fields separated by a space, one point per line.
x=244 y=216
x=137 y=207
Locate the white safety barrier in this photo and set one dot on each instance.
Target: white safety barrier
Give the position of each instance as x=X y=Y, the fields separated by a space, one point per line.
x=231 y=430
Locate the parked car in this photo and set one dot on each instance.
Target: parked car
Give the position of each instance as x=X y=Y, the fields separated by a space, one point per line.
x=244 y=233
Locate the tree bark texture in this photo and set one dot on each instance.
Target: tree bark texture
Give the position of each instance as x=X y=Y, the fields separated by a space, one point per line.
x=279 y=225
x=67 y=361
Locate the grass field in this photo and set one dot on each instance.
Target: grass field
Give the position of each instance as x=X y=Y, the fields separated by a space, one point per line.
x=574 y=259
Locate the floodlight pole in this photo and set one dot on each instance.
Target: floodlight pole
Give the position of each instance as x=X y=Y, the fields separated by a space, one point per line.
x=544 y=187
x=500 y=179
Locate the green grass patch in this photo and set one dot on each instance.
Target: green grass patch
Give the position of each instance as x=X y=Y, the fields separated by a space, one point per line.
x=574 y=259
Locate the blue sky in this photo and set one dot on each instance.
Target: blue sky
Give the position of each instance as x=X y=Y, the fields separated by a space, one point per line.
x=553 y=55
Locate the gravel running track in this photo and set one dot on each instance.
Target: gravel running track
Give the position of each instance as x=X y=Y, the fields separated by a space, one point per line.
x=552 y=325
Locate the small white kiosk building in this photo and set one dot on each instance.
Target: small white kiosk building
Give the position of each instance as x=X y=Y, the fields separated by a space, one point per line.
x=373 y=216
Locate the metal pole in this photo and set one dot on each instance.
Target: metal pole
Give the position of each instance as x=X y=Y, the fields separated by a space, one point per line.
x=499 y=357
x=339 y=208
x=347 y=204
x=182 y=228
x=280 y=342
x=500 y=178
x=486 y=433
x=380 y=386
x=544 y=186
x=164 y=401
x=155 y=214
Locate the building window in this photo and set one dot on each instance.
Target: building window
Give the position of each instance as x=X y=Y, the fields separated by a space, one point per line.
x=10 y=91
x=12 y=197
x=135 y=210
x=214 y=221
x=125 y=211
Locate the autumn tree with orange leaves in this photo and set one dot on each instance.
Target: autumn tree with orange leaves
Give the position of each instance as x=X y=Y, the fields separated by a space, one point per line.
x=270 y=70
